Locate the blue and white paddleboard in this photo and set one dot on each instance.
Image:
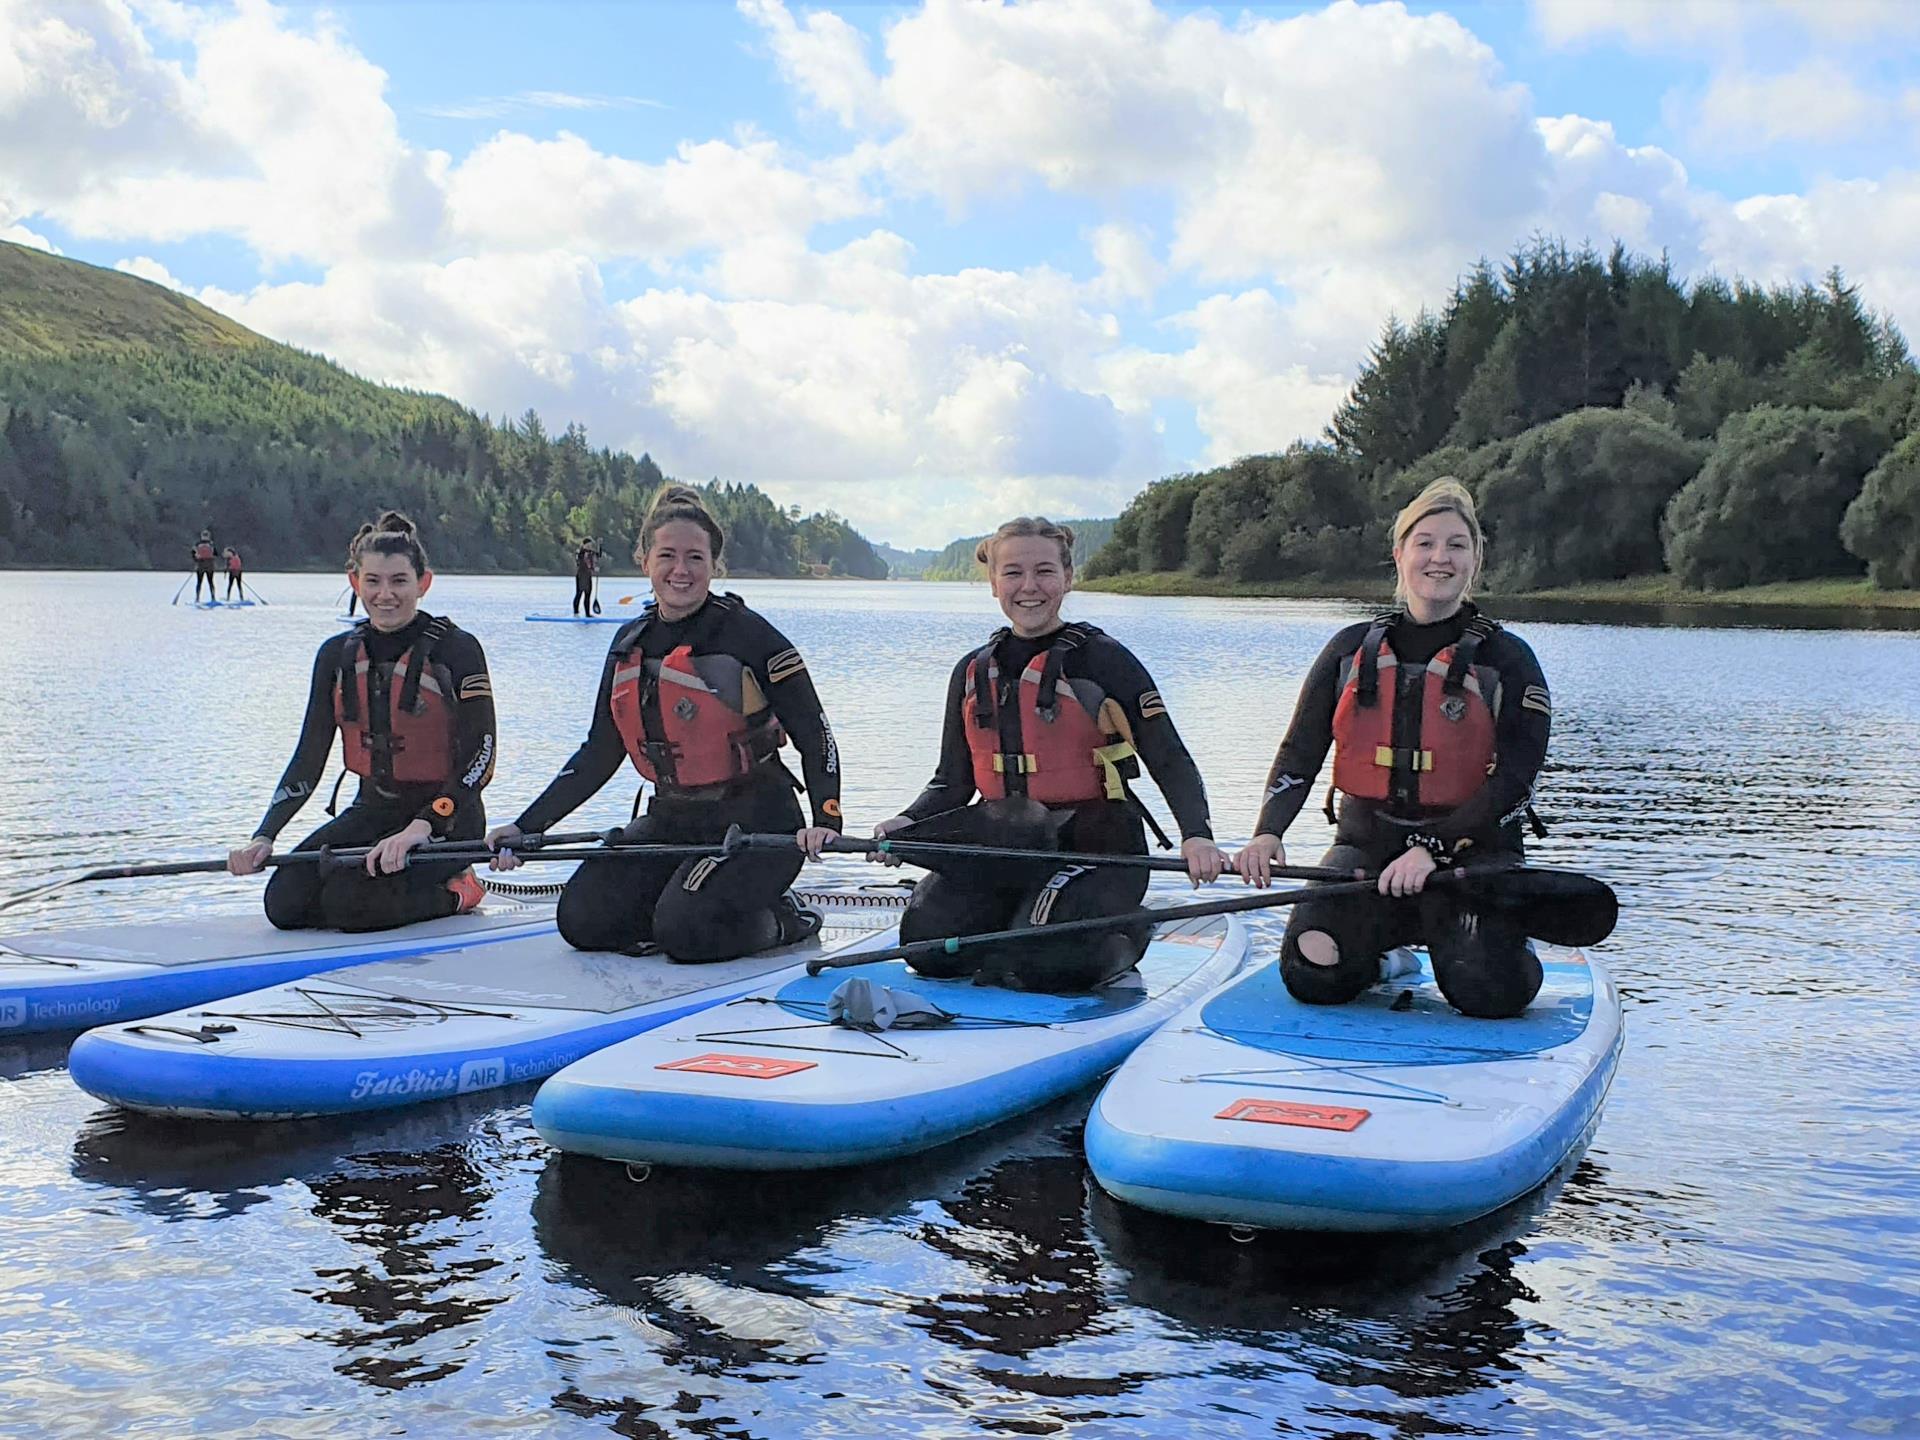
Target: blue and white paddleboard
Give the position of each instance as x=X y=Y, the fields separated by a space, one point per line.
x=1392 y=1112
x=70 y=979
x=765 y=1082
x=584 y=619
x=404 y=1031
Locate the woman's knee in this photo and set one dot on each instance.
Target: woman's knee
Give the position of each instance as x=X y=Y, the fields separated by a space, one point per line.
x=1317 y=970
x=589 y=917
x=289 y=900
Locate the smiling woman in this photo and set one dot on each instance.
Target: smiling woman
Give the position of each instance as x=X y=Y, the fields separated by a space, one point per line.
x=1440 y=720
x=1046 y=724
x=411 y=699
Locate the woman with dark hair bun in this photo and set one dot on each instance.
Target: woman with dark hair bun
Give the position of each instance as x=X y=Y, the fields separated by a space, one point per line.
x=410 y=697
x=699 y=693
x=1047 y=724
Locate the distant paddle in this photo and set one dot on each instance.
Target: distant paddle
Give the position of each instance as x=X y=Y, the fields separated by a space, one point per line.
x=183 y=585
x=1558 y=906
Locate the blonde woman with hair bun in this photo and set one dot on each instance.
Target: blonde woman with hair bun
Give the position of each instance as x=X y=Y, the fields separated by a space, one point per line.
x=699 y=694
x=1438 y=719
x=409 y=695
x=1046 y=724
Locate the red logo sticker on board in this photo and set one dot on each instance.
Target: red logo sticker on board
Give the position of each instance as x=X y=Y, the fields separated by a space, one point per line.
x=746 y=1067
x=1285 y=1112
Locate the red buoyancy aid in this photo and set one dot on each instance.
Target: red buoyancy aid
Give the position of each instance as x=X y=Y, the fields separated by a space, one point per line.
x=416 y=747
x=690 y=721
x=1452 y=750
x=203 y=550
x=1074 y=742
x=233 y=562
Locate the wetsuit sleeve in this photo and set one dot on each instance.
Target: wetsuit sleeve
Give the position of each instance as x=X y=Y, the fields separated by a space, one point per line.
x=591 y=766
x=314 y=746
x=782 y=674
x=1118 y=671
x=952 y=782
x=475 y=740
x=1303 y=750
x=1519 y=745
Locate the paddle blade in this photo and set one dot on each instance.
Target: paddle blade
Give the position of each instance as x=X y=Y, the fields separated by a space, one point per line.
x=1561 y=907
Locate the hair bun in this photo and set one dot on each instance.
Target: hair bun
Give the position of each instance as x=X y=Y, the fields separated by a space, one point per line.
x=394 y=522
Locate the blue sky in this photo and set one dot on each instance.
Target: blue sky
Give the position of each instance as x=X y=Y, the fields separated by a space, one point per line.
x=933 y=264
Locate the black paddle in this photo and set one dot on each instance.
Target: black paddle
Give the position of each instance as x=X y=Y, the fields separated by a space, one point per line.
x=1561 y=907
x=325 y=856
x=907 y=849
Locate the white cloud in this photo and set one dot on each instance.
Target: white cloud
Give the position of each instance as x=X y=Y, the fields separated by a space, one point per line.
x=495 y=107
x=32 y=239
x=825 y=60
x=518 y=192
x=1129 y=270
x=146 y=267
x=1819 y=101
x=1682 y=24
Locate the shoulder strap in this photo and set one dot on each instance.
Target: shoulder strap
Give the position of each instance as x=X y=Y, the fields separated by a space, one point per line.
x=1369 y=685
x=1070 y=638
x=349 y=659
x=435 y=631
x=1478 y=630
x=981 y=671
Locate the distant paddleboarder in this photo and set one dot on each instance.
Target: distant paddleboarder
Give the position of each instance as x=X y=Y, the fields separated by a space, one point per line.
x=586 y=566
x=204 y=555
x=235 y=573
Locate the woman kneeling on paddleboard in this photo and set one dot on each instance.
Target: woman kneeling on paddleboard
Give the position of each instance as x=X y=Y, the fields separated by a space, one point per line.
x=1046 y=723
x=699 y=693
x=1439 y=718
x=410 y=696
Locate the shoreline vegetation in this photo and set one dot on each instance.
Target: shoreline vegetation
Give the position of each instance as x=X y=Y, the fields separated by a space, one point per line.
x=1641 y=590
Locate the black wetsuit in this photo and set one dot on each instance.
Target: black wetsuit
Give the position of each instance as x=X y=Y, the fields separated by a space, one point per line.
x=706 y=908
x=299 y=896
x=962 y=899
x=586 y=564
x=1482 y=962
x=202 y=569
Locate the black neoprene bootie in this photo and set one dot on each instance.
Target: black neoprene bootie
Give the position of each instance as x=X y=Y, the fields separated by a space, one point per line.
x=796 y=922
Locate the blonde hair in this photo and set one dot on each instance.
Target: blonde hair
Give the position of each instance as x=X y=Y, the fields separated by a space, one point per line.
x=678 y=502
x=392 y=534
x=1444 y=495
x=1022 y=526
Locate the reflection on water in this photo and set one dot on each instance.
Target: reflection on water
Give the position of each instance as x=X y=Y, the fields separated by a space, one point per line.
x=1738 y=1253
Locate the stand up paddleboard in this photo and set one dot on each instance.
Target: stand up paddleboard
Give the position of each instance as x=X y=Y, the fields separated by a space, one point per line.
x=70 y=979
x=584 y=619
x=403 y=1031
x=766 y=1082
x=1392 y=1112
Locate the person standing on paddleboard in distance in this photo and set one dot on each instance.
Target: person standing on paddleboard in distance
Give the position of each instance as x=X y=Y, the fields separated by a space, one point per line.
x=409 y=694
x=1046 y=723
x=1438 y=719
x=235 y=574
x=586 y=565
x=353 y=545
x=203 y=557
x=699 y=693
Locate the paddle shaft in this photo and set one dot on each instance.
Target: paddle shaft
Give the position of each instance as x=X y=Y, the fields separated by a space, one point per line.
x=1583 y=914
x=907 y=849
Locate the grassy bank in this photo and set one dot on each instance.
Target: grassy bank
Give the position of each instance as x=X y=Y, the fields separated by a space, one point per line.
x=1641 y=590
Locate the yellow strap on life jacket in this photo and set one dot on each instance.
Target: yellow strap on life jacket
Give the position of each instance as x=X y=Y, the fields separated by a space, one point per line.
x=1021 y=764
x=1418 y=760
x=1108 y=757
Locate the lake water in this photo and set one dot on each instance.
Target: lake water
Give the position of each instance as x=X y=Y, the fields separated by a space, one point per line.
x=1737 y=1254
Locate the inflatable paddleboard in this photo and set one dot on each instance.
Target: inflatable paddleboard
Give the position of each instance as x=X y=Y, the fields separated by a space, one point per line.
x=70 y=979
x=766 y=1082
x=402 y=1031
x=584 y=619
x=1392 y=1112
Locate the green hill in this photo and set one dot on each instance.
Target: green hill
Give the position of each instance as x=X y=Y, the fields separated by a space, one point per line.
x=131 y=417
